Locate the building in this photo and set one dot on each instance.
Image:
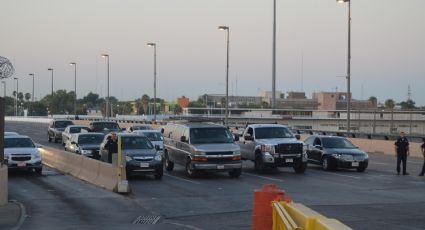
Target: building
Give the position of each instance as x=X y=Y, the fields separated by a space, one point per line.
x=183 y=101
x=296 y=100
x=267 y=95
x=218 y=100
x=338 y=101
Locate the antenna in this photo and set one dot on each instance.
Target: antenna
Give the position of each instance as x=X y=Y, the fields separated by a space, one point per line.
x=302 y=71
x=409 y=93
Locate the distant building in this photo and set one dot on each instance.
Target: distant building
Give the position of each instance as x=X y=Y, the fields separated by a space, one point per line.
x=338 y=101
x=217 y=100
x=267 y=95
x=183 y=101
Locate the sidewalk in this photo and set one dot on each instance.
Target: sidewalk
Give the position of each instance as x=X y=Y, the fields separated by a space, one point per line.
x=9 y=215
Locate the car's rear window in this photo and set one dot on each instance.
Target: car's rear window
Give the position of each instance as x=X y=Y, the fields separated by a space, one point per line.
x=18 y=143
x=90 y=139
x=106 y=126
x=77 y=129
x=62 y=124
x=136 y=142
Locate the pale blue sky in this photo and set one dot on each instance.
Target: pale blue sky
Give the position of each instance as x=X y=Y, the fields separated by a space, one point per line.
x=387 y=53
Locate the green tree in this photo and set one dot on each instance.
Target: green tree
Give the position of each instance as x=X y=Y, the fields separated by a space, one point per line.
x=20 y=96
x=409 y=104
x=60 y=102
x=373 y=101
x=145 y=103
x=27 y=96
x=389 y=104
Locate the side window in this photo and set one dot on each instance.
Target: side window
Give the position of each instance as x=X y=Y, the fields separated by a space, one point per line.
x=250 y=132
x=309 y=141
x=317 y=142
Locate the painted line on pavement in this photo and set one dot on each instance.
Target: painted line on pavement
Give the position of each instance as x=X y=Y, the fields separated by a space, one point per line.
x=182 y=179
x=263 y=177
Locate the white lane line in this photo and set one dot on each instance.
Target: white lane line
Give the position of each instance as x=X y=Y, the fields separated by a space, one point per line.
x=182 y=179
x=343 y=175
x=263 y=177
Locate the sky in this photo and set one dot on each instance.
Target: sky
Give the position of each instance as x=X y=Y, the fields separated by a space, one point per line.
x=388 y=46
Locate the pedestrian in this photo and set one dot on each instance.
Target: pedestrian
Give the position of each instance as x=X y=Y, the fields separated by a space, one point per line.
x=402 y=151
x=423 y=153
x=112 y=146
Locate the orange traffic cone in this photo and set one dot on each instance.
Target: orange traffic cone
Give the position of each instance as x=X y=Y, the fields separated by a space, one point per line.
x=262 y=212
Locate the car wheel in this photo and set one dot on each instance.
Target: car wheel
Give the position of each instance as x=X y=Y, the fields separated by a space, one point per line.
x=39 y=171
x=235 y=173
x=169 y=165
x=159 y=173
x=361 y=169
x=259 y=164
x=190 y=171
x=49 y=138
x=55 y=140
x=300 y=168
x=326 y=164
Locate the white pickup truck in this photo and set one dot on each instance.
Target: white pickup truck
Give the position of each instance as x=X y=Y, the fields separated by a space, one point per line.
x=271 y=146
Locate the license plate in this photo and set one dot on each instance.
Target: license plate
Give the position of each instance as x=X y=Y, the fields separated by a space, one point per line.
x=220 y=166
x=22 y=164
x=355 y=164
x=144 y=165
x=289 y=160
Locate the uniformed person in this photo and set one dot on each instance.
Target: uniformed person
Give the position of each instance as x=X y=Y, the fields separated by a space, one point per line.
x=112 y=146
x=402 y=151
x=423 y=153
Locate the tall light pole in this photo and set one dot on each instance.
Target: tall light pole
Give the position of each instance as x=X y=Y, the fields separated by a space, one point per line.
x=226 y=116
x=16 y=96
x=75 y=86
x=348 y=66
x=274 y=58
x=107 y=85
x=51 y=69
x=32 y=94
x=151 y=44
x=4 y=89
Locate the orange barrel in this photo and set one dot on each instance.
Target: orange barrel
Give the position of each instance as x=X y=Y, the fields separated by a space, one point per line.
x=262 y=213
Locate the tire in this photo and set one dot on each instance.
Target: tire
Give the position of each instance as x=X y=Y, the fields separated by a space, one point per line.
x=39 y=171
x=259 y=164
x=189 y=170
x=361 y=169
x=169 y=165
x=49 y=138
x=55 y=140
x=235 y=173
x=326 y=164
x=159 y=173
x=301 y=168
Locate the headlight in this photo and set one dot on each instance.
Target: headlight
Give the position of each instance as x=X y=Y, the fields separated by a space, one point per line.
x=366 y=156
x=36 y=155
x=128 y=158
x=158 y=157
x=237 y=152
x=86 y=151
x=336 y=155
x=268 y=148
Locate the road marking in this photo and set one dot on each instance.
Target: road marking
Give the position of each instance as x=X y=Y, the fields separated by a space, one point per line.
x=182 y=179
x=263 y=177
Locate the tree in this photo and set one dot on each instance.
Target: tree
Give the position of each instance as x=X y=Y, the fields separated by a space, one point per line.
x=389 y=104
x=373 y=101
x=60 y=102
x=409 y=104
x=145 y=103
x=20 y=96
x=27 y=96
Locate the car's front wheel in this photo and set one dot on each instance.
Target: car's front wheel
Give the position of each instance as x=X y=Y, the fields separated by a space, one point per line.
x=169 y=165
x=300 y=168
x=326 y=164
x=235 y=173
x=259 y=164
x=190 y=171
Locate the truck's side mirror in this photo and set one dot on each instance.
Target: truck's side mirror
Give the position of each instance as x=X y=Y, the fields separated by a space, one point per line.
x=298 y=136
x=248 y=137
x=183 y=139
x=318 y=147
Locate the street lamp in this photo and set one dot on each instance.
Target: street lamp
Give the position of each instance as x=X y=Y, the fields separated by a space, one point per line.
x=16 y=96
x=32 y=103
x=107 y=85
x=226 y=118
x=274 y=58
x=151 y=44
x=75 y=86
x=4 y=88
x=348 y=66
x=51 y=69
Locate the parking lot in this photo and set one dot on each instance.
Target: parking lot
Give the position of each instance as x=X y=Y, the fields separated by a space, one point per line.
x=375 y=199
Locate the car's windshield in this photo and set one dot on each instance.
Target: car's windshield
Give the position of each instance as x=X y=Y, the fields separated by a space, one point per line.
x=272 y=132
x=77 y=129
x=18 y=143
x=141 y=127
x=337 y=143
x=153 y=136
x=62 y=124
x=210 y=135
x=136 y=142
x=106 y=126
x=90 y=139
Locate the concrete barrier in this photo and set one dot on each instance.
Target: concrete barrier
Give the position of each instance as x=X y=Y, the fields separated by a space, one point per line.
x=3 y=185
x=383 y=146
x=93 y=171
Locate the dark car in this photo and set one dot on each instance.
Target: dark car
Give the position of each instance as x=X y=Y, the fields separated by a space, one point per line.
x=142 y=157
x=56 y=127
x=104 y=127
x=335 y=152
x=86 y=144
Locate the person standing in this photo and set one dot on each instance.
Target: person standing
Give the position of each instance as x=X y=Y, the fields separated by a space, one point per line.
x=423 y=153
x=402 y=151
x=112 y=146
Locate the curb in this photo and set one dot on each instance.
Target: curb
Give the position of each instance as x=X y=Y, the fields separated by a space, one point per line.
x=22 y=217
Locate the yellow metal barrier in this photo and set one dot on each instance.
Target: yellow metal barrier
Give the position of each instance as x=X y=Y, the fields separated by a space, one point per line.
x=294 y=216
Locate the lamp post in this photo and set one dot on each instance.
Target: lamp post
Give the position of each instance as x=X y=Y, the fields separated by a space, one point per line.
x=107 y=85
x=32 y=99
x=348 y=66
x=226 y=116
x=151 y=44
x=16 y=96
x=51 y=69
x=75 y=86
x=274 y=58
x=4 y=89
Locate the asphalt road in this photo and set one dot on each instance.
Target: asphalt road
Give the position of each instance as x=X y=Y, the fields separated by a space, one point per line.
x=376 y=199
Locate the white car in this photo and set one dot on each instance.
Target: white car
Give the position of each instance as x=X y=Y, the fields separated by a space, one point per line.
x=20 y=152
x=154 y=136
x=11 y=134
x=72 y=129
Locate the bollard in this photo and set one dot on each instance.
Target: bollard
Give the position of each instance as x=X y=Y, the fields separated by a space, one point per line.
x=262 y=213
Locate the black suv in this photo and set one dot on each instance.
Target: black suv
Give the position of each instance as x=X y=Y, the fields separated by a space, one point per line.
x=56 y=127
x=104 y=127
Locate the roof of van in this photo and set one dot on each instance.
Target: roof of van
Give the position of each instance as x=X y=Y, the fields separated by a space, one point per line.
x=202 y=125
